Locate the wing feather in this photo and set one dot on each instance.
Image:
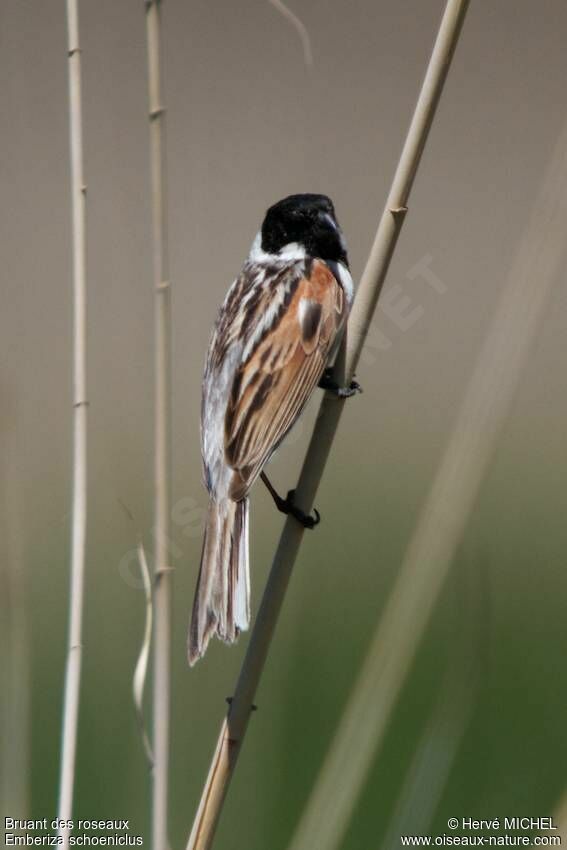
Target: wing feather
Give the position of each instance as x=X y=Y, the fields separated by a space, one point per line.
x=273 y=385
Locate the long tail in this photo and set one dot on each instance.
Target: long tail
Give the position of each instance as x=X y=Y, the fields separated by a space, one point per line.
x=222 y=597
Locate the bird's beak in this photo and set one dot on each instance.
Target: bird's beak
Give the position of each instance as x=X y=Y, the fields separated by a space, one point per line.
x=330 y=222
x=328 y=219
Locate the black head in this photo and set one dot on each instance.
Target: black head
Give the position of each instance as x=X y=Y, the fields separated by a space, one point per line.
x=308 y=220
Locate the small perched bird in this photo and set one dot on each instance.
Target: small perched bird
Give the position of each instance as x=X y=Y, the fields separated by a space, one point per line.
x=276 y=331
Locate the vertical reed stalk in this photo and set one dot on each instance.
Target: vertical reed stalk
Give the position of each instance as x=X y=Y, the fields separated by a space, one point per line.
x=234 y=726
x=162 y=446
x=80 y=405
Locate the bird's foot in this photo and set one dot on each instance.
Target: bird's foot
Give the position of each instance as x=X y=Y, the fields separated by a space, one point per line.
x=327 y=383
x=286 y=506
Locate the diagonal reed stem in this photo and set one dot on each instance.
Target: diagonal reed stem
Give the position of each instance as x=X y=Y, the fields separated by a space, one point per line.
x=162 y=439
x=80 y=405
x=235 y=725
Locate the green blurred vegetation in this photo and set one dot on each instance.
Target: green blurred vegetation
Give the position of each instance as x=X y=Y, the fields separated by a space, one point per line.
x=500 y=619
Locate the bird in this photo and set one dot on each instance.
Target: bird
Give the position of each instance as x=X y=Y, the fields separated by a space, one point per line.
x=276 y=333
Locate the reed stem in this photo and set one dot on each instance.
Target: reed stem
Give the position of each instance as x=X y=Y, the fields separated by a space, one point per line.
x=162 y=439
x=80 y=409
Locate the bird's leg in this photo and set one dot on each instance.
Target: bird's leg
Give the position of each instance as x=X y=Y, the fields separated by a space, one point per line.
x=286 y=505
x=327 y=383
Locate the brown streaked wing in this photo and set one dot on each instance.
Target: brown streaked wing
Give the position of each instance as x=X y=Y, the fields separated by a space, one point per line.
x=272 y=387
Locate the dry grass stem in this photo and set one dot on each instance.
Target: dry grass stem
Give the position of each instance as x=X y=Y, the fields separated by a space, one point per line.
x=80 y=406
x=162 y=445
x=299 y=27
x=139 y=678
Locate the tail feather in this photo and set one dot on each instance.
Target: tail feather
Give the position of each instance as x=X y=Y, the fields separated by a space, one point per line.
x=222 y=597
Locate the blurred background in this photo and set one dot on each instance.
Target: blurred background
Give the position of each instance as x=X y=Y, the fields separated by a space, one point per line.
x=479 y=729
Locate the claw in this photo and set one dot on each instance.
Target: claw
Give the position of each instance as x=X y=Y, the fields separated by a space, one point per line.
x=347 y=392
x=306 y=520
x=286 y=506
x=327 y=383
